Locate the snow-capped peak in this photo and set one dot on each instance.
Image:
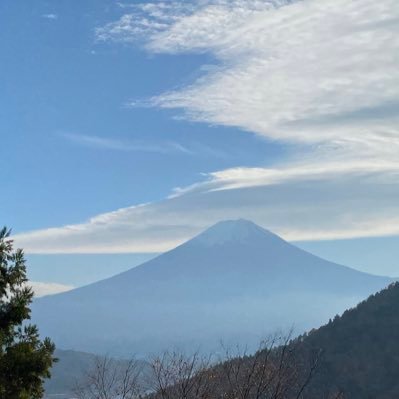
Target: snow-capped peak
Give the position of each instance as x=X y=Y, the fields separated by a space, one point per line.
x=239 y=230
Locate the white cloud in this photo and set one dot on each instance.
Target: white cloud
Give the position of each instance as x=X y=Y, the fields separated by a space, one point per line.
x=183 y=25
x=298 y=203
x=42 y=289
x=307 y=71
x=311 y=72
x=320 y=74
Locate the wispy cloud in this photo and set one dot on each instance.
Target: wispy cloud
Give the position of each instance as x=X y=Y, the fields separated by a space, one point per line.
x=149 y=21
x=50 y=16
x=144 y=20
x=306 y=72
x=194 y=148
x=323 y=75
x=302 y=203
x=125 y=145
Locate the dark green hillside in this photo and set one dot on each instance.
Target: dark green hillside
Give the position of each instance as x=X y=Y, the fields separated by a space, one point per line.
x=360 y=349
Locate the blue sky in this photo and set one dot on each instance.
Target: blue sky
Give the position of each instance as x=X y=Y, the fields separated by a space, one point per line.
x=59 y=83
x=128 y=127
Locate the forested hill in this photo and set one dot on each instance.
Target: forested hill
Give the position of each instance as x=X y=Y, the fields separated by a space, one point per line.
x=360 y=349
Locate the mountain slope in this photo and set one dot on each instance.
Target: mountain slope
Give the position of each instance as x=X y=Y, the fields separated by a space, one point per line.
x=70 y=370
x=360 y=349
x=235 y=282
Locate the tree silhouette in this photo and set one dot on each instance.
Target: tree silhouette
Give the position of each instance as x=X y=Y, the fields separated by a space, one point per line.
x=25 y=360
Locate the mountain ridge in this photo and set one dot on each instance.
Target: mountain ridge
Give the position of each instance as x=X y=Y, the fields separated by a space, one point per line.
x=360 y=355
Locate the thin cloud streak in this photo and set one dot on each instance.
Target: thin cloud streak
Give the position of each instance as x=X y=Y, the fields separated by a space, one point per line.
x=125 y=145
x=161 y=147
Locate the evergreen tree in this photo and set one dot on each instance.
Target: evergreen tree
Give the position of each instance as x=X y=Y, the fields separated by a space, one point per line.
x=25 y=360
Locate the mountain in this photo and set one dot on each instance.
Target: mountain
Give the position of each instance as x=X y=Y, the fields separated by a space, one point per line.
x=360 y=351
x=359 y=355
x=70 y=369
x=234 y=282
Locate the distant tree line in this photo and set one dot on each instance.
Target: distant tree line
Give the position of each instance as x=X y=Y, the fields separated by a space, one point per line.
x=360 y=349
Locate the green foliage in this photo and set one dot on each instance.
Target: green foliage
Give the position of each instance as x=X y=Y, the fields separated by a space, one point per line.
x=360 y=350
x=357 y=354
x=25 y=360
